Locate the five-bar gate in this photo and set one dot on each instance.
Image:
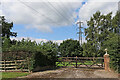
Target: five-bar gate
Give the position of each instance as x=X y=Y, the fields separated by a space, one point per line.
x=89 y=62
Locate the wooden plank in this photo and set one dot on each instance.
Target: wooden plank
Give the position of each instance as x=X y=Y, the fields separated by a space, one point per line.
x=9 y=61
x=14 y=61
x=1 y=61
x=20 y=60
x=7 y=64
x=11 y=67
x=90 y=58
x=82 y=57
x=67 y=57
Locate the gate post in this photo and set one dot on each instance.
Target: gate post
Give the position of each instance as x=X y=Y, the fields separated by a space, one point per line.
x=76 y=61
x=106 y=62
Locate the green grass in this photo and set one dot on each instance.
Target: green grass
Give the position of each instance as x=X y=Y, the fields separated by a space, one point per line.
x=61 y=64
x=13 y=74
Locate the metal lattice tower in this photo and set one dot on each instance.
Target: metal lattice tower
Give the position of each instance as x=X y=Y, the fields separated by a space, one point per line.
x=80 y=31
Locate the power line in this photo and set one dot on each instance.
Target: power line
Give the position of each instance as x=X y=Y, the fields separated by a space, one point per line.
x=59 y=12
x=52 y=8
x=55 y=10
x=37 y=12
x=67 y=9
x=49 y=7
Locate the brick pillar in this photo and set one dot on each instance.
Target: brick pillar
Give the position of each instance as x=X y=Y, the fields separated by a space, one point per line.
x=106 y=62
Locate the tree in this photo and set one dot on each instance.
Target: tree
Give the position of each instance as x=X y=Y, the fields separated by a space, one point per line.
x=70 y=48
x=6 y=28
x=89 y=50
x=112 y=44
x=103 y=32
x=6 y=45
x=100 y=26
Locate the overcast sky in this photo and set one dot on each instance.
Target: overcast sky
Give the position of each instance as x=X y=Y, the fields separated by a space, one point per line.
x=52 y=19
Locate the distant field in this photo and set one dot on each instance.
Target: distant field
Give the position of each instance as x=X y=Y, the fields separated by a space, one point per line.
x=73 y=63
x=13 y=74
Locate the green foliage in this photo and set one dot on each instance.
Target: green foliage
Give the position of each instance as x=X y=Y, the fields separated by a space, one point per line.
x=6 y=45
x=46 y=54
x=70 y=48
x=113 y=49
x=24 y=45
x=39 y=54
x=6 y=27
x=89 y=50
x=103 y=33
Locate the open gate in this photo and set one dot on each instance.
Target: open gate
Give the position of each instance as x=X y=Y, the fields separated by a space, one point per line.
x=89 y=62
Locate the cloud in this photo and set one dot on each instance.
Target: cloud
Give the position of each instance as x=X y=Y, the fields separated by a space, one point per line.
x=102 y=0
x=91 y=7
x=44 y=0
x=41 y=15
x=36 y=39
x=39 y=40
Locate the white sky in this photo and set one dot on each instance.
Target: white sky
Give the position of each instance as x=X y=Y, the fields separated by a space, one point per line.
x=47 y=17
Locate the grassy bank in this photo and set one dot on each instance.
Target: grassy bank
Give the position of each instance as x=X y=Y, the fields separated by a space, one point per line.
x=13 y=74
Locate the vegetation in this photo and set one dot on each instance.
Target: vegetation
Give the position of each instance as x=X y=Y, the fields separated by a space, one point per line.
x=102 y=32
x=73 y=63
x=13 y=74
x=39 y=54
x=70 y=48
x=6 y=28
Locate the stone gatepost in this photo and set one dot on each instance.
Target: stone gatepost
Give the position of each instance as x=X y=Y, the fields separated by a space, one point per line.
x=106 y=62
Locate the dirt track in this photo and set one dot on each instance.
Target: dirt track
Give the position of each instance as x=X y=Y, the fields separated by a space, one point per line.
x=73 y=73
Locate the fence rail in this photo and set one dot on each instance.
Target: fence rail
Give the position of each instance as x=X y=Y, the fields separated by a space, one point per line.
x=16 y=65
x=82 y=57
x=81 y=61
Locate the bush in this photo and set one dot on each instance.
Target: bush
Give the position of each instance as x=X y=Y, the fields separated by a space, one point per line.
x=42 y=54
x=113 y=49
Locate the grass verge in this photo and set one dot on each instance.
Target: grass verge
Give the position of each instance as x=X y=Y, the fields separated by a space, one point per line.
x=13 y=74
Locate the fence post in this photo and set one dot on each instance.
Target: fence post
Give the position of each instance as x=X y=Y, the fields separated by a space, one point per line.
x=66 y=58
x=106 y=62
x=4 y=65
x=76 y=61
x=28 y=65
x=15 y=65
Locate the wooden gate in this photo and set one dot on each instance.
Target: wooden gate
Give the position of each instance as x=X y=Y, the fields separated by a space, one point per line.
x=89 y=62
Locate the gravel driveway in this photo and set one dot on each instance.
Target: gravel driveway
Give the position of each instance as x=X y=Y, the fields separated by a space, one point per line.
x=73 y=73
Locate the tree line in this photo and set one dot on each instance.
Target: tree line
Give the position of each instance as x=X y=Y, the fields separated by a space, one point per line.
x=102 y=32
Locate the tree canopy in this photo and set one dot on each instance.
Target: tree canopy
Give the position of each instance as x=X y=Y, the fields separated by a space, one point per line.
x=103 y=32
x=6 y=28
x=70 y=48
x=100 y=28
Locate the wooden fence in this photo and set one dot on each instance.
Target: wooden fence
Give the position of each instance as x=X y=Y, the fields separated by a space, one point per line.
x=16 y=65
x=95 y=61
